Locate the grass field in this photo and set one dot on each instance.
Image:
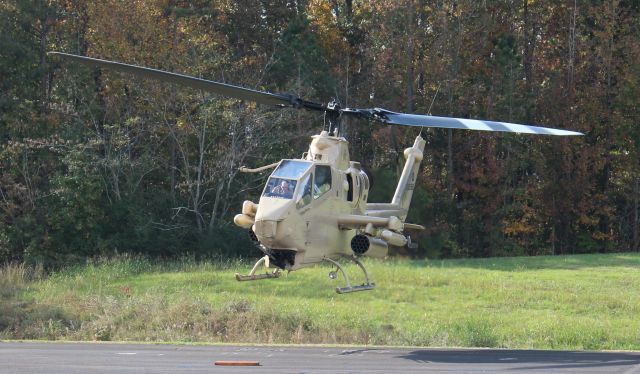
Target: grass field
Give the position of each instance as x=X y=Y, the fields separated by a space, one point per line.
x=567 y=302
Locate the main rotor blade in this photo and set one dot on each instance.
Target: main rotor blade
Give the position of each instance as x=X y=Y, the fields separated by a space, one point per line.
x=261 y=97
x=420 y=120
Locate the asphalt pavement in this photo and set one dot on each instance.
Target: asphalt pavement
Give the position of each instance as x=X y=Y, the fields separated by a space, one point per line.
x=35 y=357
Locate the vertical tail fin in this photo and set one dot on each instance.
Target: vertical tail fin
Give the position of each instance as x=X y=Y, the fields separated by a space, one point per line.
x=407 y=182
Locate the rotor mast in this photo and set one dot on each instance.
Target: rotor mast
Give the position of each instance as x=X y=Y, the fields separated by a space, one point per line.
x=333 y=119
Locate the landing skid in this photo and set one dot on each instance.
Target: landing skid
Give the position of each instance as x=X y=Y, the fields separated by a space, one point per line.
x=252 y=274
x=349 y=288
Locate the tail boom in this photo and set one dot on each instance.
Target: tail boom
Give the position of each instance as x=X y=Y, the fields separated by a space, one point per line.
x=406 y=184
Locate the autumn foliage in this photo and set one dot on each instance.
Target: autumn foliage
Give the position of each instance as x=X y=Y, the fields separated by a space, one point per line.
x=97 y=163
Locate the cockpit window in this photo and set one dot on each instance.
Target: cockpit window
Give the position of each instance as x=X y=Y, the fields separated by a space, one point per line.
x=304 y=192
x=279 y=187
x=283 y=180
x=291 y=169
x=322 y=181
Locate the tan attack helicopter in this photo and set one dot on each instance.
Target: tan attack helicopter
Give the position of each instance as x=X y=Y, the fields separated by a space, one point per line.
x=315 y=209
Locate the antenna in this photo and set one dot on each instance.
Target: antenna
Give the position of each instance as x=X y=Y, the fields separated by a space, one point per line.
x=434 y=98
x=431 y=105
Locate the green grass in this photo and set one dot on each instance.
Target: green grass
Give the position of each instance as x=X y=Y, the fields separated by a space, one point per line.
x=567 y=302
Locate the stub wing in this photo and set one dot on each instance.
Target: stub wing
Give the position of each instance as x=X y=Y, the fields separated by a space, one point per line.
x=354 y=221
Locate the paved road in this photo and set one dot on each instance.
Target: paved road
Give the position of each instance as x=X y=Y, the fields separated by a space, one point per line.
x=141 y=358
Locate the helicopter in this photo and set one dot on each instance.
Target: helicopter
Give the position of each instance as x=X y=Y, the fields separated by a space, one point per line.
x=315 y=209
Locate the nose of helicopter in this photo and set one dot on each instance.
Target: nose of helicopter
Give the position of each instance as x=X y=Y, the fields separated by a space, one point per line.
x=276 y=233
x=272 y=221
x=265 y=230
x=279 y=241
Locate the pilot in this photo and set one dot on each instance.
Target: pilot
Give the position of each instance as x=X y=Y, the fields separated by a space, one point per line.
x=322 y=181
x=282 y=189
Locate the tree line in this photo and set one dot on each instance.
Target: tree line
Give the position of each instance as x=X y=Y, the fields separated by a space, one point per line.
x=96 y=163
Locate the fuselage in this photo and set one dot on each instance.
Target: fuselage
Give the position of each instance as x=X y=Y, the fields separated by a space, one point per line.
x=315 y=208
x=296 y=219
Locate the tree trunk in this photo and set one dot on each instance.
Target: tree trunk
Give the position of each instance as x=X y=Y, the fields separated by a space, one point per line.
x=43 y=63
x=636 y=197
x=216 y=203
x=450 y=164
x=410 y=32
x=197 y=198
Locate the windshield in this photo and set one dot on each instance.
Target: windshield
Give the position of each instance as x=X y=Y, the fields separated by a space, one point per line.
x=278 y=187
x=283 y=180
x=291 y=169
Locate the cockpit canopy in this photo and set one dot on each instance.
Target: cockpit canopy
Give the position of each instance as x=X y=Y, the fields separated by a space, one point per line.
x=284 y=179
x=290 y=174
